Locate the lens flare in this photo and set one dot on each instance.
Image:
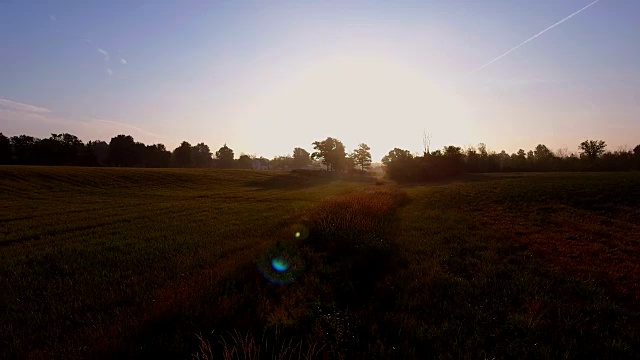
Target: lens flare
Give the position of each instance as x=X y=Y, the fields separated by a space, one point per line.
x=299 y=231
x=280 y=264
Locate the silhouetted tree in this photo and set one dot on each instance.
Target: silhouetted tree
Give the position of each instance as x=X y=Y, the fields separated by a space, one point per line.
x=453 y=160
x=122 y=151
x=24 y=149
x=201 y=156
x=225 y=157
x=6 y=154
x=592 y=149
x=301 y=158
x=139 y=153
x=331 y=152
x=60 y=149
x=182 y=155
x=244 y=162
x=362 y=157
x=99 y=149
x=400 y=165
x=157 y=156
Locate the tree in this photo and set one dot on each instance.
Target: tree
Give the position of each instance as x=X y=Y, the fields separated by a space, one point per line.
x=331 y=152
x=396 y=155
x=157 y=156
x=122 y=149
x=60 y=149
x=225 y=157
x=362 y=157
x=201 y=156
x=6 y=153
x=301 y=158
x=542 y=152
x=592 y=149
x=453 y=160
x=400 y=165
x=182 y=155
x=25 y=149
x=244 y=162
x=282 y=162
x=100 y=150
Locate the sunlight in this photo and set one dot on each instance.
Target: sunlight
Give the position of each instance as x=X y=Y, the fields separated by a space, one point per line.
x=355 y=98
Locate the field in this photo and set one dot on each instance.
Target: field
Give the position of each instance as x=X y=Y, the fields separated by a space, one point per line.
x=140 y=263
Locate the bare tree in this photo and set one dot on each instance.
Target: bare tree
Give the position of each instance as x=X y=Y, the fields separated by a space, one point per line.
x=426 y=141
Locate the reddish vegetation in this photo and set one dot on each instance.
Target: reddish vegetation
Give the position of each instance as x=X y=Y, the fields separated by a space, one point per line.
x=582 y=244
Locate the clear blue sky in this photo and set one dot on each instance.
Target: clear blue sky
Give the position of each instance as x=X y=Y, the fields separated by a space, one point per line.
x=265 y=77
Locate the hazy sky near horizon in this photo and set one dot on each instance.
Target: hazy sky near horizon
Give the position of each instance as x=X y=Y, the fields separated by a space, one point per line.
x=265 y=77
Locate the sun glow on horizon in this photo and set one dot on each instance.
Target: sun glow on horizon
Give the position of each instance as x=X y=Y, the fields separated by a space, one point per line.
x=361 y=99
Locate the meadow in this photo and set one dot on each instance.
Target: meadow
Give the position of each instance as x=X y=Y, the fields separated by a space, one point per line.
x=155 y=263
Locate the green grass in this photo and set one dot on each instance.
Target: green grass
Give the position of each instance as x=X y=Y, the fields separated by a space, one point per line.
x=137 y=263
x=83 y=248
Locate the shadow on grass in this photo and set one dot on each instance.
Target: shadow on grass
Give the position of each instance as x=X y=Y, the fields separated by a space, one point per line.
x=300 y=179
x=467 y=178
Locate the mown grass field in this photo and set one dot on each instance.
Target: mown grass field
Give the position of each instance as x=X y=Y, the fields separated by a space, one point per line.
x=137 y=263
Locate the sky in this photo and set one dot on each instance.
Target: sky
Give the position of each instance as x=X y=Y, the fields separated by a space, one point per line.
x=265 y=77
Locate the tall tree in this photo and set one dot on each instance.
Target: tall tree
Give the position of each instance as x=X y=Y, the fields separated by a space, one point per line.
x=301 y=158
x=331 y=152
x=182 y=155
x=225 y=157
x=100 y=150
x=6 y=153
x=25 y=149
x=122 y=151
x=396 y=155
x=201 y=155
x=157 y=156
x=362 y=156
x=592 y=149
x=400 y=165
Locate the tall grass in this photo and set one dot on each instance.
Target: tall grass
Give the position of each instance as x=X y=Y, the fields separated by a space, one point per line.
x=348 y=250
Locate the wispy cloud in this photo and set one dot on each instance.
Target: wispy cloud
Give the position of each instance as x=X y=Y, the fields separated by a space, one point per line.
x=533 y=37
x=104 y=52
x=123 y=61
x=9 y=105
x=110 y=72
x=53 y=18
x=121 y=126
x=19 y=118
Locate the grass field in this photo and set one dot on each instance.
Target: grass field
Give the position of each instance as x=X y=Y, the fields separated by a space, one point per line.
x=145 y=263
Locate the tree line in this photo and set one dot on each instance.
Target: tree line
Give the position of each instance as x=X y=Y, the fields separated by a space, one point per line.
x=399 y=164
x=124 y=151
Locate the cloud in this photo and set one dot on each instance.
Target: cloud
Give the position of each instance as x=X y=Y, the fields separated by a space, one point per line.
x=119 y=125
x=104 y=52
x=14 y=106
x=89 y=42
x=533 y=37
x=110 y=72
x=123 y=61
x=53 y=18
x=18 y=118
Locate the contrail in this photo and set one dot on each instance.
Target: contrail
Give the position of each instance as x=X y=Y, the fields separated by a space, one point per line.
x=533 y=37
